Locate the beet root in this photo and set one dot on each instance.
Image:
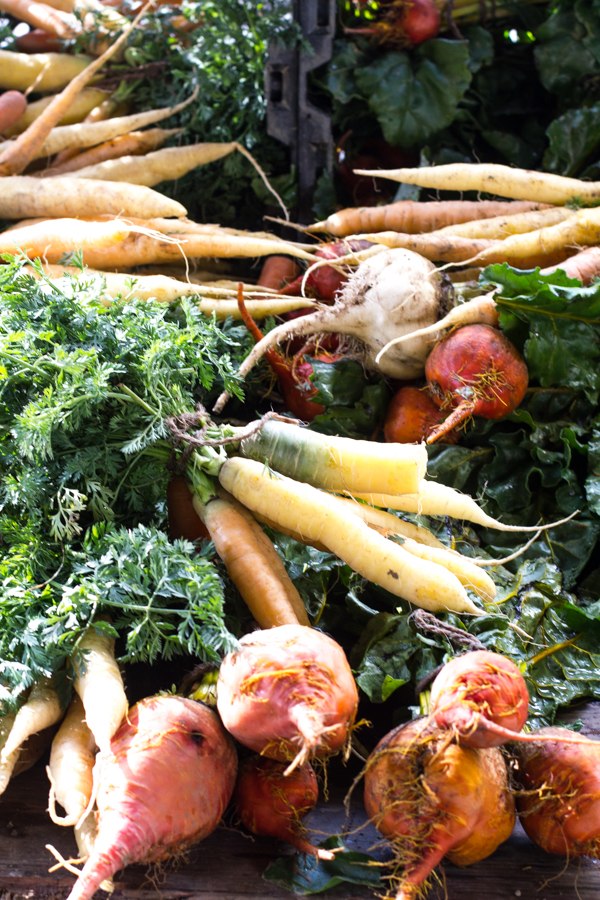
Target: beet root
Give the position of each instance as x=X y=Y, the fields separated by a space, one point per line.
x=164 y=785
x=288 y=693
x=481 y=697
x=475 y=371
x=559 y=804
x=431 y=797
x=271 y=803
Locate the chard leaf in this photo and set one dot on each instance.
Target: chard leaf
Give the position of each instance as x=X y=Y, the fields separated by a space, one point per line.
x=415 y=95
x=304 y=874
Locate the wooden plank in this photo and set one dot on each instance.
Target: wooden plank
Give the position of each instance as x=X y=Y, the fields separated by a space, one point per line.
x=229 y=864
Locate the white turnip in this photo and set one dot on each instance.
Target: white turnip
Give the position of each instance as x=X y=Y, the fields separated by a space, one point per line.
x=163 y=785
x=288 y=693
x=389 y=294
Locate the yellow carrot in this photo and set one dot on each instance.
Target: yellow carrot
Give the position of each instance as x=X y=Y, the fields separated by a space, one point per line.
x=90 y=133
x=166 y=164
x=71 y=765
x=25 y=147
x=41 y=709
x=136 y=143
x=312 y=512
x=217 y=300
x=336 y=463
x=45 y=73
x=117 y=245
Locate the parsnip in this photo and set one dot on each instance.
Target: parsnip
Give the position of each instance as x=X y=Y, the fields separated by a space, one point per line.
x=25 y=196
x=495 y=179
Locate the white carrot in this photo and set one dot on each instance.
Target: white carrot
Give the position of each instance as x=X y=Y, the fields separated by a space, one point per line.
x=41 y=709
x=98 y=682
x=71 y=764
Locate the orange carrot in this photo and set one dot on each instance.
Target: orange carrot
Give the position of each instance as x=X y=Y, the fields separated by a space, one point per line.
x=43 y=16
x=584 y=265
x=277 y=271
x=415 y=217
x=252 y=562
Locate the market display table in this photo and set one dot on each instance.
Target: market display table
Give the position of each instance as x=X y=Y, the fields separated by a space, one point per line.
x=230 y=865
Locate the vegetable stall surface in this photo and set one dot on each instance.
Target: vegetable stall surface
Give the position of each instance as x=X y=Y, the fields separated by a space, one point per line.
x=169 y=748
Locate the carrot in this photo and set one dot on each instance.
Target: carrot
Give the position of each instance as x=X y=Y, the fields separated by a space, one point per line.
x=41 y=15
x=414 y=216
x=422 y=543
x=116 y=244
x=6 y=768
x=98 y=682
x=166 y=164
x=546 y=244
x=43 y=73
x=169 y=163
x=584 y=265
x=90 y=133
x=436 y=499
x=71 y=764
x=252 y=562
x=20 y=154
x=212 y=300
x=499 y=227
x=318 y=516
x=136 y=142
x=333 y=462
x=64 y=195
x=12 y=106
x=83 y=104
x=495 y=179
x=41 y=709
x=277 y=271
x=164 y=784
x=184 y=521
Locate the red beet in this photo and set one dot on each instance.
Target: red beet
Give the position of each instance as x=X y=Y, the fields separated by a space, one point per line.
x=405 y=23
x=324 y=282
x=271 y=803
x=475 y=371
